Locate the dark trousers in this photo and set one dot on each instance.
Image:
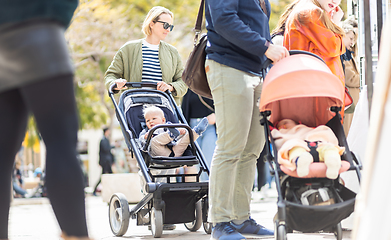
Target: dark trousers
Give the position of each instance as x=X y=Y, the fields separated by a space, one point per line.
x=106 y=168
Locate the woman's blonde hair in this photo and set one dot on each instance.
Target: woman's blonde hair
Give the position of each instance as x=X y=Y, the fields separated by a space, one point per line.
x=303 y=18
x=280 y=28
x=153 y=16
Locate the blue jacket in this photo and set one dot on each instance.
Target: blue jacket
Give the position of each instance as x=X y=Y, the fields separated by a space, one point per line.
x=238 y=33
x=21 y=10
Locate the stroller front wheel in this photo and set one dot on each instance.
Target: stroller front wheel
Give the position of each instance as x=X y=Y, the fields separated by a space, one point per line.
x=280 y=232
x=337 y=229
x=156 y=223
x=208 y=227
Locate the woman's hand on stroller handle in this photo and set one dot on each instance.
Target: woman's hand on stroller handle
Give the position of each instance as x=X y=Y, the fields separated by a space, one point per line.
x=162 y=86
x=120 y=84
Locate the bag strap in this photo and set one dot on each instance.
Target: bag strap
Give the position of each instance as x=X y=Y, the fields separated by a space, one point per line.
x=263 y=6
x=197 y=27
x=206 y=105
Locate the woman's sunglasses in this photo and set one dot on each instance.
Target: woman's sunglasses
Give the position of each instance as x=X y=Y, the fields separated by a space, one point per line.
x=166 y=25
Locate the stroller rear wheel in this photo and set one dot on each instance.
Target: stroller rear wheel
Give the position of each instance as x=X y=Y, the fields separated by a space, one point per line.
x=196 y=224
x=156 y=223
x=119 y=214
x=337 y=229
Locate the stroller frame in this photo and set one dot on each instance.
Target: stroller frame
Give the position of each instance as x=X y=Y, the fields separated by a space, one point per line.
x=295 y=216
x=161 y=199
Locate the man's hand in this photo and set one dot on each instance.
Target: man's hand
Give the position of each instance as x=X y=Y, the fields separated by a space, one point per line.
x=276 y=52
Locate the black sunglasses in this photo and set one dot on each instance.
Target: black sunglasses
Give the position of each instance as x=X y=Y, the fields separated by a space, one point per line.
x=166 y=25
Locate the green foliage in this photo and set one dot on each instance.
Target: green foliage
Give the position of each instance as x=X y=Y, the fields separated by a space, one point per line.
x=32 y=135
x=278 y=7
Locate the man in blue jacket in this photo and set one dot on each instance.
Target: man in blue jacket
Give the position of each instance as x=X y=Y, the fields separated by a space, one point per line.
x=239 y=43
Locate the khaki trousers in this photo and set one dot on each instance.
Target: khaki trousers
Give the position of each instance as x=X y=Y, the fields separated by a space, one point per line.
x=240 y=140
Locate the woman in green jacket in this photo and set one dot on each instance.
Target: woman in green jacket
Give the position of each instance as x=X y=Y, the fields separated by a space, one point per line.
x=150 y=59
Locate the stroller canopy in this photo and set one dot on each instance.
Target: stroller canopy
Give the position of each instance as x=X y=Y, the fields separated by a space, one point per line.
x=301 y=87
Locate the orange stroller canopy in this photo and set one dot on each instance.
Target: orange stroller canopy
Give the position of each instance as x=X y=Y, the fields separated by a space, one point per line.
x=301 y=87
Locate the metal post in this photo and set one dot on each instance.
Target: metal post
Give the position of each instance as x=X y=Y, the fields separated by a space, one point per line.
x=379 y=4
x=368 y=55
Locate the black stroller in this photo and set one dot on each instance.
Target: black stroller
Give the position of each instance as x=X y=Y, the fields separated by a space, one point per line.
x=168 y=201
x=301 y=87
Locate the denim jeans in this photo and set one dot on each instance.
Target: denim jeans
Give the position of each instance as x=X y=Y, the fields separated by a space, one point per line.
x=239 y=143
x=207 y=143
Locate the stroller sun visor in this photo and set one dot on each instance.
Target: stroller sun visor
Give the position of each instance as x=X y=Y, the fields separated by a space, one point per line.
x=302 y=88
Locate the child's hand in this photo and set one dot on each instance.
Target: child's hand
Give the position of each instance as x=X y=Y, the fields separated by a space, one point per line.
x=182 y=131
x=146 y=135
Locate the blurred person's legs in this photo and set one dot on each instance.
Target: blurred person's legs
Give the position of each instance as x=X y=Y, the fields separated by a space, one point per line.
x=13 y=122
x=18 y=190
x=35 y=65
x=207 y=143
x=106 y=168
x=56 y=117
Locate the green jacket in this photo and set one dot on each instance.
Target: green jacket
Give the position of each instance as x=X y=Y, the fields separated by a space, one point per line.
x=128 y=64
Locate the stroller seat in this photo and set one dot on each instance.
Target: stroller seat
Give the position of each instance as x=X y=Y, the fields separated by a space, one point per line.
x=133 y=108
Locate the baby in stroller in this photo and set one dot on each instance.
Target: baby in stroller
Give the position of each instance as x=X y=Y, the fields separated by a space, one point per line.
x=170 y=142
x=295 y=143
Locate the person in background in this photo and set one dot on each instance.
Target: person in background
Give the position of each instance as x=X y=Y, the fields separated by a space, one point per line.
x=37 y=77
x=106 y=158
x=195 y=108
x=352 y=74
x=238 y=44
x=150 y=58
x=121 y=162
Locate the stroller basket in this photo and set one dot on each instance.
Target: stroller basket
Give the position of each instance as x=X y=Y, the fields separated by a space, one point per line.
x=317 y=218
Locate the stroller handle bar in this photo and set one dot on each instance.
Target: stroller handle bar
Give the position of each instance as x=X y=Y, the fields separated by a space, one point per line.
x=291 y=52
x=144 y=84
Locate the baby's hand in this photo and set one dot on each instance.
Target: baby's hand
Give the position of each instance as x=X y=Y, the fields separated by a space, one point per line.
x=146 y=135
x=182 y=131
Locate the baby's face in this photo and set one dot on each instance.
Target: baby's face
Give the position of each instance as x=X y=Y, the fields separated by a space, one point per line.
x=286 y=124
x=153 y=119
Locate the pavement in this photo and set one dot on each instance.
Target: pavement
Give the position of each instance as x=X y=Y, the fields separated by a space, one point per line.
x=33 y=219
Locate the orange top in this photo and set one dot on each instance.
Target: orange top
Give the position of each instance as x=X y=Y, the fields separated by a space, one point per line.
x=316 y=38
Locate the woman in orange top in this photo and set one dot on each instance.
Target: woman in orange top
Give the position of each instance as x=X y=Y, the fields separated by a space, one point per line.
x=313 y=26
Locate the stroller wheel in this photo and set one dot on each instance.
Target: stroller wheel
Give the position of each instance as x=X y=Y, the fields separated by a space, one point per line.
x=196 y=224
x=208 y=227
x=280 y=232
x=119 y=214
x=337 y=229
x=156 y=222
